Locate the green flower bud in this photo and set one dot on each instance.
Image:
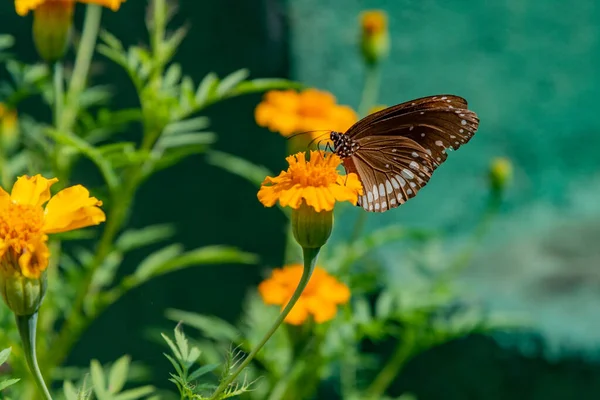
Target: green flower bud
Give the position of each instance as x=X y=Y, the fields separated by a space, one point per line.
x=500 y=173
x=375 y=37
x=52 y=22
x=22 y=295
x=311 y=228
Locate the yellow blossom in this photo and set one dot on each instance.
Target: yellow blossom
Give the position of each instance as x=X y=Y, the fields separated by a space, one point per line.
x=289 y=112
x=24 y=6
x=25 y=223
x=319 y=299
x=316 y=182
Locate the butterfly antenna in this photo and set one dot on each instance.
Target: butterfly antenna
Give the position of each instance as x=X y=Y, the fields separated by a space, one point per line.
x=304 y=133
x=318 y=138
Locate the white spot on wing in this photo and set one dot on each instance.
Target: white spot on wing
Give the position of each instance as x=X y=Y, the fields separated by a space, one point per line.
x=377 y=206
x=463 y=122
x=395 y=183
x=439 y=143
x=375 y=194
x=381 y=190
x=370 y=197
x=414 y=165
x=401 y=180
x=407 y=174
x=388 y=186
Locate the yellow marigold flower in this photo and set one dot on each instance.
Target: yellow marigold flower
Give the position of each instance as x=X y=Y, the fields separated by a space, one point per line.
x=319 y=299
x=24 y=223
x=374 y=36
x=316 y=182
x=289 y=112
x=24 y=6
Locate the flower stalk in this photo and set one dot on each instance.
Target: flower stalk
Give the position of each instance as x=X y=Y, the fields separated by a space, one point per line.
x=27 y=325
x=310 y=261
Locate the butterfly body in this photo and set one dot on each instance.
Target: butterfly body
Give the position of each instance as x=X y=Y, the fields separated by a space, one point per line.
x=395 y=151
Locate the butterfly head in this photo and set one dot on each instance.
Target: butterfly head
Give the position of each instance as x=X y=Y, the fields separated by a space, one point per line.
x=343 y=145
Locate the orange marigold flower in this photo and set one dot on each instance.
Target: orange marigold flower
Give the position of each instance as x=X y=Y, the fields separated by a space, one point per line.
x=24 y=223
x=320 y=298
x=317 y=182
x=289 y=112
x=24 y=6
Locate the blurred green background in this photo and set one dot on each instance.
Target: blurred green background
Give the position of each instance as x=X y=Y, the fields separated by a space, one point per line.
x=527 y=68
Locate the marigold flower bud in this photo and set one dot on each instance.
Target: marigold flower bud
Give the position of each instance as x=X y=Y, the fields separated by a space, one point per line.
x=21 y=294
x=9 y=128
x=375 y=38
x=311 y=228
x=500 y=173
x=52 y=22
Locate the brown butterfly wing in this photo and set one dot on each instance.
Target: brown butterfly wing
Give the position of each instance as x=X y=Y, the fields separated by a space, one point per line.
x=422 y=130
x=392 y=170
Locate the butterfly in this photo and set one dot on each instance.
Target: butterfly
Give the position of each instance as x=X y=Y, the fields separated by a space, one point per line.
x=395 y=151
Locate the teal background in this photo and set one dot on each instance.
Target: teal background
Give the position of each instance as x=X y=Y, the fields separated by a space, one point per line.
x=529 y=69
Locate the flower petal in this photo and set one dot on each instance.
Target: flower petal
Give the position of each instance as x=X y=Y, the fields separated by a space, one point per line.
x=298 y=314
x=32 y=190
x=72 y=208
x=34 y=258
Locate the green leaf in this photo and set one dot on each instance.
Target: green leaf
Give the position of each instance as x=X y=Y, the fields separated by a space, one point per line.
x=187 y=139
x=91 y=152
x=171 y=344
x=173 y=155
x=6 y=41
x=188 y=125
x=137 y=393
x=136 y=238
x=111 y=40
x=182 y=344
x=118 y=374
x=70 y=391
x=206 y=88
x=98 y=379
x=210 y=326
x=202 y=371
x=231 y=81
x=174 y=363
x=205 y=255
x=156 y=260
x=172 y=75
x=262 y=85
x=253 y=173
x=4 y=355
x=8 y=382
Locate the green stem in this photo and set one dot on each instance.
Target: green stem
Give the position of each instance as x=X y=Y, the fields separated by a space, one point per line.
x=370 y=90
x=368 y=100
x=391 y=369
x=27 y=327
x=310 y=261
x=59 y=92
x=91 y=26
x=462 y=260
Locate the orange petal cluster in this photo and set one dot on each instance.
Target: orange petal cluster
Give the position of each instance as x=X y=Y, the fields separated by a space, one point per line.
x=319 y=300
x=316 y=182
x=289 y=112
x=25 y=223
